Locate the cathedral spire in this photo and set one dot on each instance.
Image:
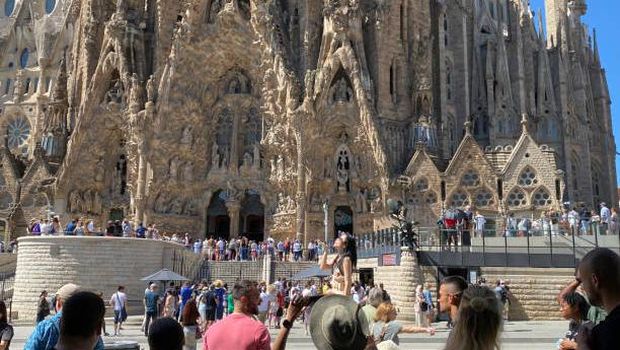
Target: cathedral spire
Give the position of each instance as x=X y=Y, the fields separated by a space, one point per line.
x=597 y=57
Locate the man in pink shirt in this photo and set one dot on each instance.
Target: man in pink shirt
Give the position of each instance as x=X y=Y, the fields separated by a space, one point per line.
x=226 y=334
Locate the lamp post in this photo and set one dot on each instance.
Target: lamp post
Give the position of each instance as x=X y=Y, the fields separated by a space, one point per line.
x=326 y=218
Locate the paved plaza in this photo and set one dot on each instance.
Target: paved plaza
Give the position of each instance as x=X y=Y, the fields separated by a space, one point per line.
x=541 y=335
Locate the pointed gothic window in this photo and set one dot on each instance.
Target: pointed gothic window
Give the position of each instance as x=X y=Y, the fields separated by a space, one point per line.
x=431 y=197
x=23 y=59
x=50 y=5
x=541 y=198
x=459 y=199
x=421 y=185
x=9 y=5
x=483 y=198
x=527 y=177
x=516 y=198
x=470 y=178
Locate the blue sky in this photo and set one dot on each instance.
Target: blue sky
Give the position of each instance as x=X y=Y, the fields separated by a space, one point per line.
x=603 y=15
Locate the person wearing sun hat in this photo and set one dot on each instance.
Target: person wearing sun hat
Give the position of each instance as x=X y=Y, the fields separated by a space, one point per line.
x=338 y=323
x=46 y=334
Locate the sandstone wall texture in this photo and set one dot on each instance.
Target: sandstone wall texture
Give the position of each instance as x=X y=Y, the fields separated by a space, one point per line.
x=534 y=291
x=95 y=263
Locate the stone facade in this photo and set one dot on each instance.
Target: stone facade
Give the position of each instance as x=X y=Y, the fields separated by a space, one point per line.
x=228 y=117
x=95 y=263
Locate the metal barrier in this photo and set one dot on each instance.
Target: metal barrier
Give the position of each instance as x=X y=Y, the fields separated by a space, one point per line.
x=555 y=247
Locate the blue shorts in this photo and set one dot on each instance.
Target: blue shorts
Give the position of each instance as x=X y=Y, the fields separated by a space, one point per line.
x=117 y=317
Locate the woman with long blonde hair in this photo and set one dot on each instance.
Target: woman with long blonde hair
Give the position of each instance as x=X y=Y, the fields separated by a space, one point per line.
x=478 y=322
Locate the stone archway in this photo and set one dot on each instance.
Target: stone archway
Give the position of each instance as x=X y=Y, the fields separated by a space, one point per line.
x=252 y=217
x=218 y=221
x=343 y=220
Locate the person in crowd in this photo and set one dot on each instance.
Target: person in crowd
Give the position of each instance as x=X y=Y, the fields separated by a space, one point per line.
x=170 y=303
x=43 y=307
x=605 y=216
x=151 y=306
x=450 y=293
x=209 y=300
x=189 y=321
x=386 y=328
x=599 y=275
x=230 y=303
x=478 y=321
x=166 y=334
x=274 y=319
x=220 y=293
x=80 y=324
x=386 y=295
x=502 y=294
x=479 y=222
x=186 y=294
x=263 y=306
x=255 y=334
x=420 y=307
x=375 y=298
x=428 y=297
x=47 y=332
x=6 y=330
x=343 y=265
x=574 y=307
x=119 y=302
x=100 y=294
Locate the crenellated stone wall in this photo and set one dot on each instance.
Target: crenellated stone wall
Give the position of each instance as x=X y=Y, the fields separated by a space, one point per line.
x=95 y=263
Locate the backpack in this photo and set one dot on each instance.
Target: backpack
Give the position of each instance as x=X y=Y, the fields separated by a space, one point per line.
x=211 y=300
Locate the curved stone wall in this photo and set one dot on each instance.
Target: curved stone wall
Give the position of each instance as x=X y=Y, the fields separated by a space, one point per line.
x=95 y=263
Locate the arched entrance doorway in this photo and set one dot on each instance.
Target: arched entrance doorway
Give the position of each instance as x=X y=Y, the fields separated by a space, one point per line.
x=252 y=217
x=343 y=220
x=218 y=222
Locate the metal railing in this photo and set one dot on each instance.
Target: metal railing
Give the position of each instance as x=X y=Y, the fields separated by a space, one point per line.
x=553 y=247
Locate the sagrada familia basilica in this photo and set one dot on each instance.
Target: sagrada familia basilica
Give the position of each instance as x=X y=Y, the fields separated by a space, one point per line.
x=283 y=117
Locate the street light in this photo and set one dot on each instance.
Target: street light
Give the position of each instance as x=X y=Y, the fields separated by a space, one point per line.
x=325 y=212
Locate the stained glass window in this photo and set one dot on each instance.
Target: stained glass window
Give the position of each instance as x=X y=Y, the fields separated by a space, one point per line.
x=23 y=59
x=9 y=5
x=18 y=132
x=50 y=5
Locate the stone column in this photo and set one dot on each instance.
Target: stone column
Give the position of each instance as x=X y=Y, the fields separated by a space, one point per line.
x=411 y=277
x=301 y=192
x=266 y=273
x=233 y=207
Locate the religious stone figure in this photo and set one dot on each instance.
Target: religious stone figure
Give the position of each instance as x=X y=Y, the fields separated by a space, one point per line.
x=360 y=201
x=215 y=156
x=174 y=168
x=150 y=89
x=188 y=171
x=342 y=92
x=160 y=204
x=216 y=7
x=256 y=152
x=87 y=202
x=280 y=166
x=115 y=94
x=190 y=208
x=187 y=137
x=97 y=206
x=342 y=171
x=76 y=203
x=247 y=160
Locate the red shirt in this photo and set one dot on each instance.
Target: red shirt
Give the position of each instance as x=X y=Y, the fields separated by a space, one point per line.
x=239 y=332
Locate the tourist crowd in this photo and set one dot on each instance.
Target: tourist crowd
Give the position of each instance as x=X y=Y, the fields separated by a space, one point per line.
x=179 y=316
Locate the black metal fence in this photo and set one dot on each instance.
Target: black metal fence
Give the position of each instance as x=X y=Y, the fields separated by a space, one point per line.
x=519 y=248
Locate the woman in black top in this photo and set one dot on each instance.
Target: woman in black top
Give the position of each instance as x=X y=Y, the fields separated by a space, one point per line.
x=343 y=265
x=6 y=330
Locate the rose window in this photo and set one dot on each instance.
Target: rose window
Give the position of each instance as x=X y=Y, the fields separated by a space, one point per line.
x=431 y=198
x=421 y=185
x=18 y=131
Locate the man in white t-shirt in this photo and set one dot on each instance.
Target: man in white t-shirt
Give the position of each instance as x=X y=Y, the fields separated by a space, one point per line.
x=263 y=307
x=119 y=302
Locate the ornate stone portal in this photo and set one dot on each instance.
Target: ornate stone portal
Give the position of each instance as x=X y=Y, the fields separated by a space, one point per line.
x=247 y=117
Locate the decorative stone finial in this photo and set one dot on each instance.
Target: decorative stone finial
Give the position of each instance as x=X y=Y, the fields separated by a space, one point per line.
x=468 y=126
x=524 y=123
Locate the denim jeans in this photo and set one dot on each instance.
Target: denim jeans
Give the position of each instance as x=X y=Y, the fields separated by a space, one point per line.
x=149 y=318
